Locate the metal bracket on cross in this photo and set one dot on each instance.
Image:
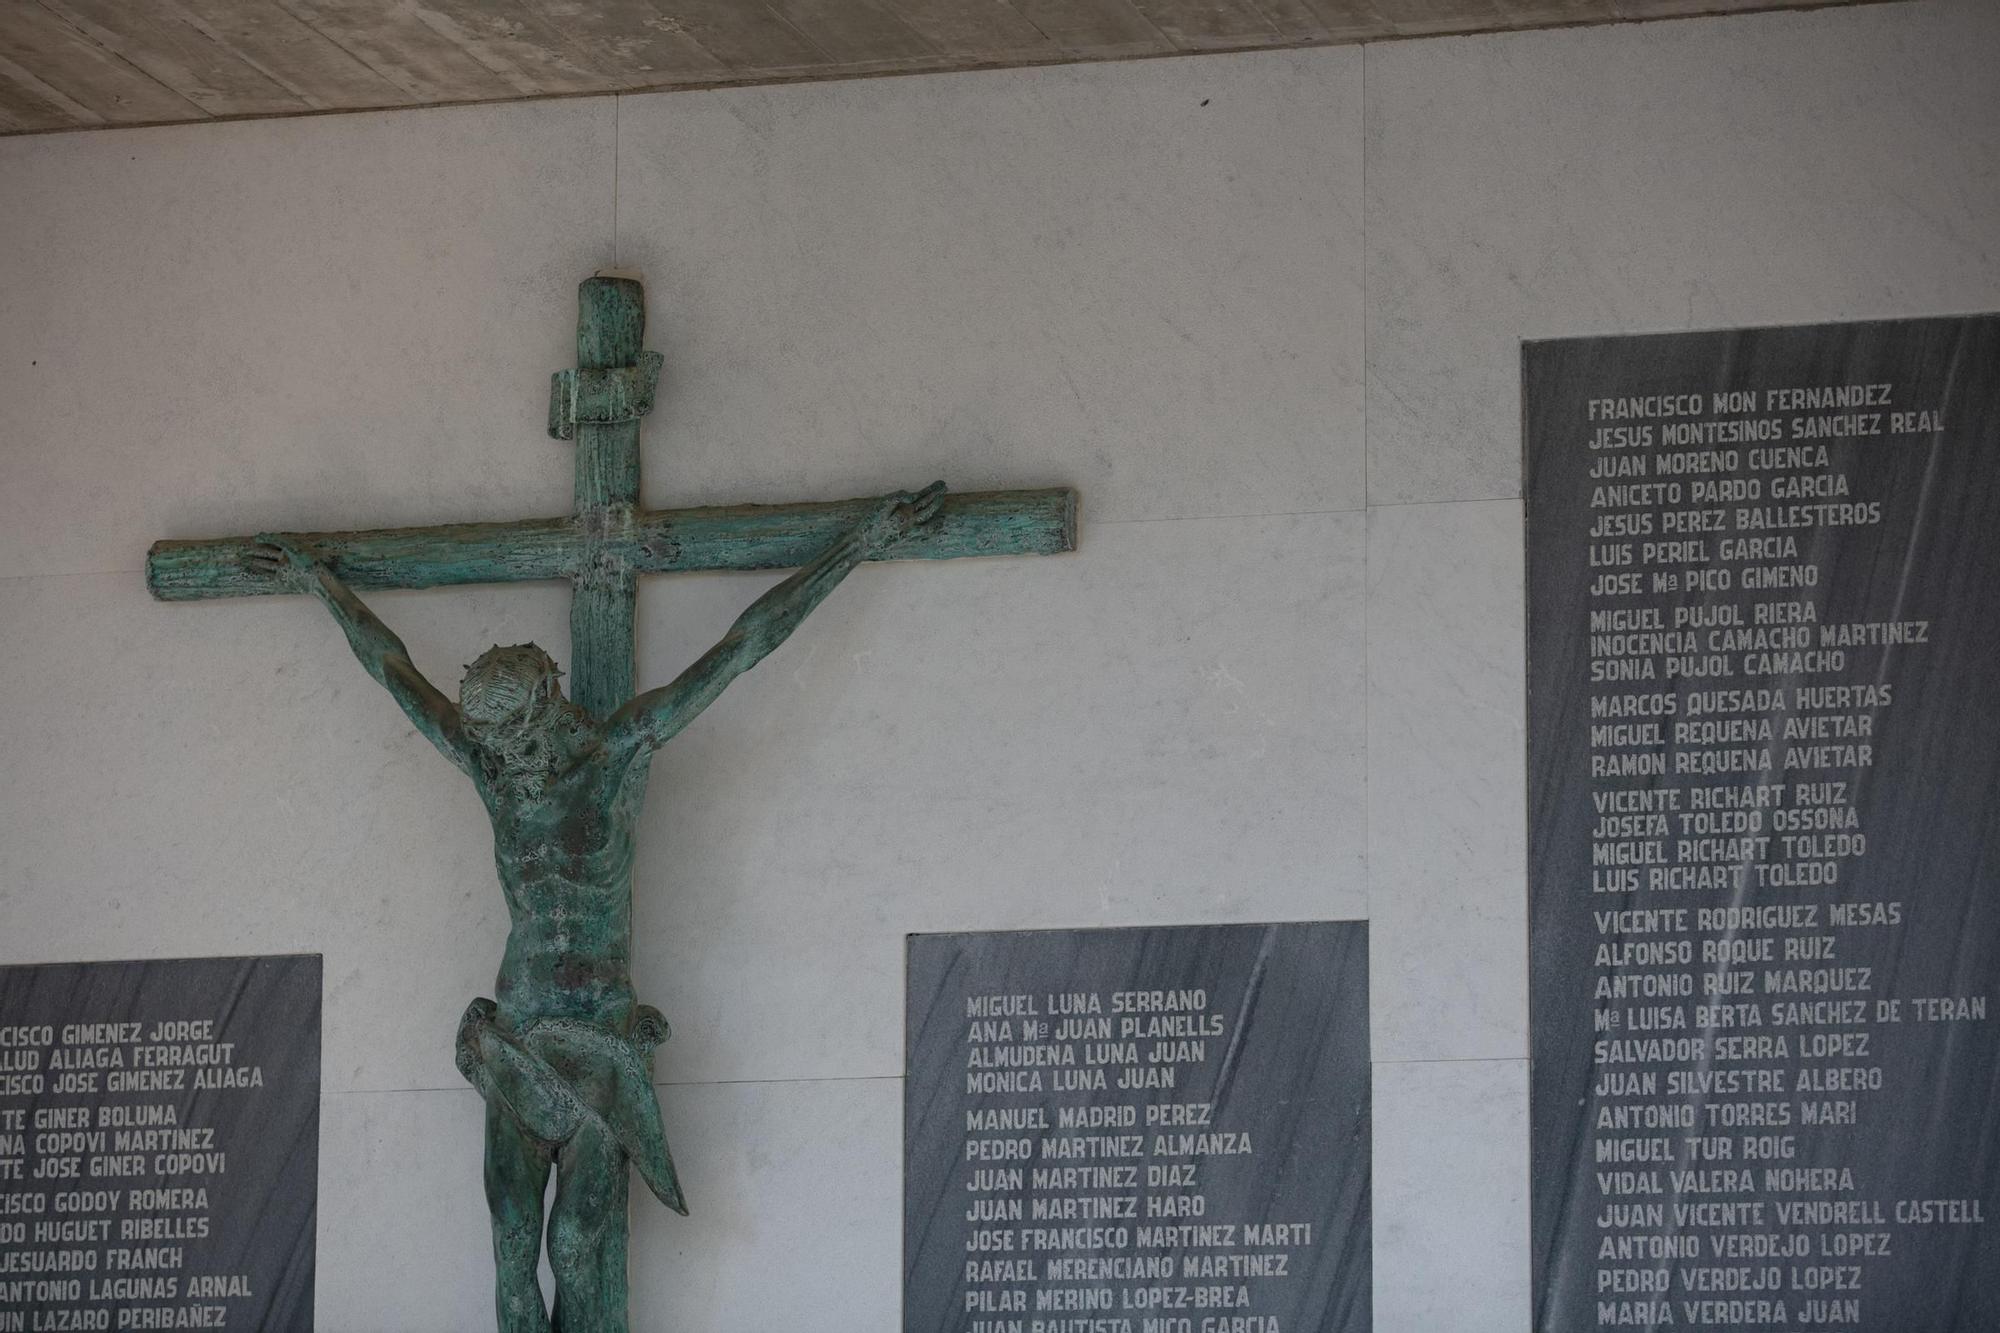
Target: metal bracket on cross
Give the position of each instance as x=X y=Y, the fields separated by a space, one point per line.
x=608 y=541
x=600 y=397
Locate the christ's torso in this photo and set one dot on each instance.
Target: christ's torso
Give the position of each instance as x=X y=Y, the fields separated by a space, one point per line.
x=563 y=848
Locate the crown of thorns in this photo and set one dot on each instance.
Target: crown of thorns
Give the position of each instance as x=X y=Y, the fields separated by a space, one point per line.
x=501 y=682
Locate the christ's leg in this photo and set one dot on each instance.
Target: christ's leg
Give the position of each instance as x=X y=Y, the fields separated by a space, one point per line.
x=587 y=1232
x=517 y=1171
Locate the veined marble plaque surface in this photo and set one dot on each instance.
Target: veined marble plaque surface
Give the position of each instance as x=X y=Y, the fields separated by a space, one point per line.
x=159 y=1143
x=1154 y=1130
x=1764 y=792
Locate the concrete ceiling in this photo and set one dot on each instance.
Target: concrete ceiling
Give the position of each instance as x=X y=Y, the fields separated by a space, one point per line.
x=75 y=64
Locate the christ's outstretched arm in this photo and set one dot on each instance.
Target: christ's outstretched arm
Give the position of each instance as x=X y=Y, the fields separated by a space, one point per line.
x=651 y=719
x=380 y=651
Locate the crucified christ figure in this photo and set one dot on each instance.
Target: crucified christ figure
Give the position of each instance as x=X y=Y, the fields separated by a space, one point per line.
x=563 y=1053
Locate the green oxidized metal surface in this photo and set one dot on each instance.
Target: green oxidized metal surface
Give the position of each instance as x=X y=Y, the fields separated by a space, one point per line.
x=563 y=1052
x=668 y=541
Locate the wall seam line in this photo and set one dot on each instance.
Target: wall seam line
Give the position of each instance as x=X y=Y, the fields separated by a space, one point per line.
x=1450 y=1060
x=1367 y=564
x=617 y=129
x=685 y=1083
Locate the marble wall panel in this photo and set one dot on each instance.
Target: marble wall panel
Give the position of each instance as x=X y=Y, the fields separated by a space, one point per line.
x=1769 y=169
x=795 y=1198
x=403 y=1237
x=793 y=1190
x=1162 y=728
x=1447 y=854
x=1451 y=1196
x=1141 y=280
x=324 y=322
x=223 y=778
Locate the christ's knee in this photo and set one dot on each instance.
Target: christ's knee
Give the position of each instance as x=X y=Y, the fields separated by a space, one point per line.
x=517 y=1290
x=517 y=1254
x=513 y=1199
x=574 y=1243
x=517 y=1246
x=517 y=1170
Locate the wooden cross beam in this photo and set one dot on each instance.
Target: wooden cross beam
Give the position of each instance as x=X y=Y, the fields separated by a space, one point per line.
x=609 y=541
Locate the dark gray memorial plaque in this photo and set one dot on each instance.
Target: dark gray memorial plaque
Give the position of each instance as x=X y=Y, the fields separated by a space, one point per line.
x=1159 y=1130
x=159 y=1144
x=1764 y=790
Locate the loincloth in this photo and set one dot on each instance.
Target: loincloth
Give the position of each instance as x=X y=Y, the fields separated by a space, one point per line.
x=559 y=1076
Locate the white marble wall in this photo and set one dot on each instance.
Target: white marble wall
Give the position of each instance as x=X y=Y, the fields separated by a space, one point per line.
x=1700 y=174
x=1264 y=311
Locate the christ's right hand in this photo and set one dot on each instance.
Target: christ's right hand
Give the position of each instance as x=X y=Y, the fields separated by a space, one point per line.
x=283 y=561
x=901 y=514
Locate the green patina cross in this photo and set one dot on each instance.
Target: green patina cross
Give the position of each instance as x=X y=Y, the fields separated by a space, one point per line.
x=563 y=1056
x=603 y=547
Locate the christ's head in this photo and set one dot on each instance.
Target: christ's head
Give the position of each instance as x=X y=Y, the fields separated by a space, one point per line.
x=511 y=689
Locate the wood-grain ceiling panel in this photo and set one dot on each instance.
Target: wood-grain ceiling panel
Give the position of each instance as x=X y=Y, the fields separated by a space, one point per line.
x=1094 y=28
x=26 y=105
x=632 y=43
x=39 y=42
x=1417 y=18
x=1556 y=11
x=173 y=51
x=69 y=64
x=1351 y=20
x=1297 y=23
x=1674 y=9
x=314 y=69
x=859 y=34
x=389 y=38
x=513 y=42
x=1208 y=25
x=748 y=37
x=976 y=31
